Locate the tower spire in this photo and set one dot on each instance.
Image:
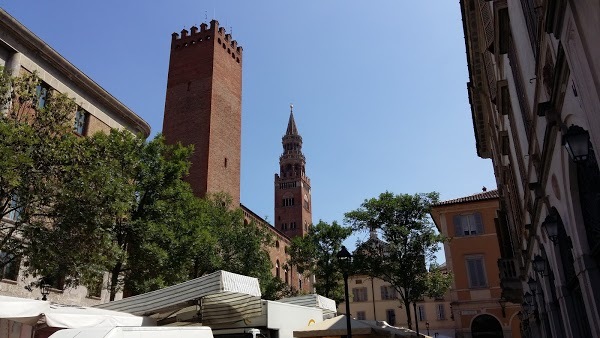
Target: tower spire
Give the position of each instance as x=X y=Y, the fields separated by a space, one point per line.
x=291 y=128
x=293 y=213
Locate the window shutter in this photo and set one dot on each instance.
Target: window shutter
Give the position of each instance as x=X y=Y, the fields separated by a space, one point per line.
x=458 y=229
x=479 y=223
x=480 y=274
x=472 y=269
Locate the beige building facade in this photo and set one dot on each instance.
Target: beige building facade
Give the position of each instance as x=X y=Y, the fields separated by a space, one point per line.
x=375 y=299
x=21 y=51
x=534 y=90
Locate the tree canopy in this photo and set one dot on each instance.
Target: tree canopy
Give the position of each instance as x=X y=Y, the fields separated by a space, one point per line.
x=403 y=242
x=111 y=202
x=316 y=254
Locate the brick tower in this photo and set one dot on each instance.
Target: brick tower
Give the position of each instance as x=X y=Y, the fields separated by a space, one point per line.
x=203 y=107
x=293 y=214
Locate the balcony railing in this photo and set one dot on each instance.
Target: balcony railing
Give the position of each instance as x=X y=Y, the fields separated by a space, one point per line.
x=511 y=285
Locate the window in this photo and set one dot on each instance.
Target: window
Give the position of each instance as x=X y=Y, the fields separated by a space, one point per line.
x=288 y=202
x=388 y=292
x=41 y=92
x=358 y=281
x=14 y=210
x=9 y=267
x=476 y=272
x=299 y=282
x=81 y=118
x=441 y=312
x=277 y=269
x=96 y=286
x=390 y=317
x=468 y=225
x=361 y=315
x=285 y=273
x=421 y=312
x=359 y=294
x=56 y=280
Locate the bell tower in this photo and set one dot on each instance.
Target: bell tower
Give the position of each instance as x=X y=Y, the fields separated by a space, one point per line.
x=293 y=210
x=203 y=107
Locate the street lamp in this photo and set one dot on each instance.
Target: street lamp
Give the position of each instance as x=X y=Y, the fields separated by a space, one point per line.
x=528 y=297
x=345 y=259
x=539 y=265
x=577 y=142
x=550 y=224
x=532 y=285
x=45 y=290
x=427 y=327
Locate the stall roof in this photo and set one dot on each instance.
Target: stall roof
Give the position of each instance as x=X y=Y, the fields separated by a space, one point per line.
x=30 y=311
x=314 y=300
x=337 y=327
x=176 y=297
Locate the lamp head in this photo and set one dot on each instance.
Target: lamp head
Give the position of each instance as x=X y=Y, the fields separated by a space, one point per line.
x=576 y=140
x=539 y=264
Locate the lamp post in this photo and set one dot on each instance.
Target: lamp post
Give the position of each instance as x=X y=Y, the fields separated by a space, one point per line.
x=532 y=285
x=345 y=259
x=427 y=327
x=45 y=290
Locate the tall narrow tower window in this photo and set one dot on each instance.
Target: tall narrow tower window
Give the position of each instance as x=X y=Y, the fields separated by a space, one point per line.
x=225 y=162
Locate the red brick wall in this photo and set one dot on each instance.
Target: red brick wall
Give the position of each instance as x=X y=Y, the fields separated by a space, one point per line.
x=296 y=213
x=203 y=107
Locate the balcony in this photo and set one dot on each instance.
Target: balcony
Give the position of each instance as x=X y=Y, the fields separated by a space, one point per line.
x=512 y=288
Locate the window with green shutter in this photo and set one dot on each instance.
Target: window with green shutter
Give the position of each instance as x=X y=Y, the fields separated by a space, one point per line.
x=476 y=272
x=468 y=225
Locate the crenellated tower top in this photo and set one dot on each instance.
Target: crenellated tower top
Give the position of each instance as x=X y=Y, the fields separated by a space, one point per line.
x=205 y=34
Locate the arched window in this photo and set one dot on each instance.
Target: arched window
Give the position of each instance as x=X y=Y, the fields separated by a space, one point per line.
x=277 y=274
x=285 y=272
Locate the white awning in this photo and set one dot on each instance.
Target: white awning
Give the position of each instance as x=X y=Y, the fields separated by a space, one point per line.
x=177 y=297
x=31 y=312
x=79 y=317
x=337 y=327
x=314 y=300
x=22 y=310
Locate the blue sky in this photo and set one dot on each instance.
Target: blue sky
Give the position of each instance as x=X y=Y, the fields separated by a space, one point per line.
x=378 y=87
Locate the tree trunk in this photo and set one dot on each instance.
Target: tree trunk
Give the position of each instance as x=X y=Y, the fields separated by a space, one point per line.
x=114 y=279
x=409 y=320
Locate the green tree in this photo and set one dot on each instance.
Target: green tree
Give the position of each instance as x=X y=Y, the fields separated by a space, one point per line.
x=229 y=243
x=316 y=254
x=35 y=153
x=403 y=241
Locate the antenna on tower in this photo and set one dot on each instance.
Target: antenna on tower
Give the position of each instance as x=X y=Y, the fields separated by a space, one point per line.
x=291 y=108
x=205 y=15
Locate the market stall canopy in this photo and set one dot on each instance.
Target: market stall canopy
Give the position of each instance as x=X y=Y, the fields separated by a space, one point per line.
x=32 y=312
x=314 y=300
x=337 y=327
x=22 y=310
x=236 y=290
x=66 y=316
